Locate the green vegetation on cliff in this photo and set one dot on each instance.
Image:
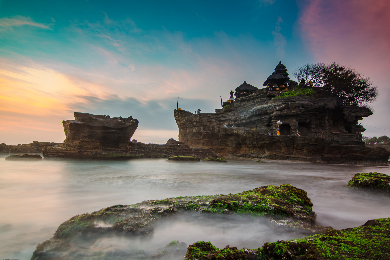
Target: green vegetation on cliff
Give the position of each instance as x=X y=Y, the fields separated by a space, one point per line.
x=384 y=139
x=297 y=92
x=372 y=180
x=370 y=241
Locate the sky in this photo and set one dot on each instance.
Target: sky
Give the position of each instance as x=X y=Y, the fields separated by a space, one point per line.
x=138 y=58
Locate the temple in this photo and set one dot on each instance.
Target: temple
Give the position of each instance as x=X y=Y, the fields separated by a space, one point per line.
x=258 y=125
x=245 y=89
x=279 y=80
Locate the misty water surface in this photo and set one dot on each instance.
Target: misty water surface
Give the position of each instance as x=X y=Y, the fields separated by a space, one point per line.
x=37 y=196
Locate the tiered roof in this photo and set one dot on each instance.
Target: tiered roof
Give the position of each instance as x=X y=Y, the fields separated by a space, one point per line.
x=245 y=89
x=279 y=76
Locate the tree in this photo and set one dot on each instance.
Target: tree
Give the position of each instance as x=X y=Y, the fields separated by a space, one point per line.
x=373 y=140
x=347 y=84
x=383 y=139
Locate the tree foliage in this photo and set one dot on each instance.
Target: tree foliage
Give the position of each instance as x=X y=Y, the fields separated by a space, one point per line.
x=377 y=140
x=350 y=86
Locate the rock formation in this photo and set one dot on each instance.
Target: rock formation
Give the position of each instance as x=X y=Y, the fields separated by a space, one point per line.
x=34 y=147
x=89 y=131
x=369 y=241
x=104 y=138
x=286 y=207
x=311 y=129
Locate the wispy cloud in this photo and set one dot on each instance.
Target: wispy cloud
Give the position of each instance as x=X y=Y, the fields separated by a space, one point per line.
x=279 y=40
x=21 y=21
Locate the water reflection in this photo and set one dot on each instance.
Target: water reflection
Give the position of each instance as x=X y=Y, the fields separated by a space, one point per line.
x=37 y=196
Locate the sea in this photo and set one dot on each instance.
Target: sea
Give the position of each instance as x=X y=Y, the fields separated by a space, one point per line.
x=37 y=196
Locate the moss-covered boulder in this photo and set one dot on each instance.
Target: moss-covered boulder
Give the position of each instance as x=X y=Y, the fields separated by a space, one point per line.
x=285 y=205
x=370 y=241
x=371 y=180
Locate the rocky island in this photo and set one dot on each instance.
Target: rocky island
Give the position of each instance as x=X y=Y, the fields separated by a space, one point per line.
x=104 y=138
x=262 y=123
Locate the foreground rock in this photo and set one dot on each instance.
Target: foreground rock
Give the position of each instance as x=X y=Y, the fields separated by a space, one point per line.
x=370 y=241
x=371 y=180
x=286 y=206
x=17 y=157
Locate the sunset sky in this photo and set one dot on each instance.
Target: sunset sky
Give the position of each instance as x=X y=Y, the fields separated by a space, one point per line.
x=135 y=58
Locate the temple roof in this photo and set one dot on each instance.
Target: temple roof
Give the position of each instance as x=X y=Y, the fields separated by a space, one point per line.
x=280 y=74
x=245 y=87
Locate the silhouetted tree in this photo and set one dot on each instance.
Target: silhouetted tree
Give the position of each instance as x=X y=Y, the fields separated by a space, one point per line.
x=334 y=79
x=383 y=139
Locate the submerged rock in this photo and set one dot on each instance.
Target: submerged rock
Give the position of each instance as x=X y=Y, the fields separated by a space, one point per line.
x=214 y=159
x=184 y=158
x=370 y=241
x=371 y=180
x=285 y=205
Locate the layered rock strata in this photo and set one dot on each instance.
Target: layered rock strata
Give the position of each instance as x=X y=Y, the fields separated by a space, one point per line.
x=34 y=147
x=132 y=150
x=318 y=130
x=90 y=131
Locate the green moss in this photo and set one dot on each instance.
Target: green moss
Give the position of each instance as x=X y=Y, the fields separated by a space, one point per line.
x=215 y=159
x=370 y=241
x=372 y=180
x=205 y=250
x=284 y=200
x=297 y=92
x=184 y=158
x=226 y=108
x=260 y=161
x=75 y=225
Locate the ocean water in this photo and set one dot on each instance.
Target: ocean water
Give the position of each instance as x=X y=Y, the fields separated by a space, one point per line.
x=37 y=196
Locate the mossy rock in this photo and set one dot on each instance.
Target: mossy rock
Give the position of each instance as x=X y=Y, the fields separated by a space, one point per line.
x=213 y=159
x=285 y=205
x=184 y=158
x=260 y=161
x=371 y=180
x=370 y=241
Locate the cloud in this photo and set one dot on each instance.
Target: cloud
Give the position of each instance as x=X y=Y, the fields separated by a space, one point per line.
x=354 y=33
x=21 y=21
x=279 y=40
